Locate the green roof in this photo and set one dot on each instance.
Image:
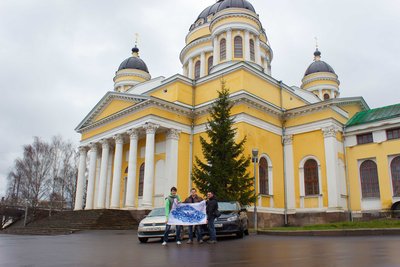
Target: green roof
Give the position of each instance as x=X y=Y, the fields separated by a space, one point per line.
x=376 y=114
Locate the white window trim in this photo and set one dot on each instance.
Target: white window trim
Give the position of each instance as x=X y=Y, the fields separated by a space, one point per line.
x=301 y=182
x=270 y=180
x=368 y=203
x=390 y=159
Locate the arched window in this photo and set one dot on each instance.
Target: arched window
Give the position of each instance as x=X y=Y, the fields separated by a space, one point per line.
x=263 y=176
x=126 y=170
x=311 y=181
x=252 y=51
x=222 y=49
x=210 y=64
x=141 y=180
x=369 y=179
x=197 y=69
x=326 y=96
x=395 y=170
x=238 y=47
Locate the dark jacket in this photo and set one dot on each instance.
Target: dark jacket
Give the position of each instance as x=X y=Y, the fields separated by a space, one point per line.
x=212 y=207
x=190 y=199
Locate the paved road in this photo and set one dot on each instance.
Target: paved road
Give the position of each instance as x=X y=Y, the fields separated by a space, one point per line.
x=121 y=248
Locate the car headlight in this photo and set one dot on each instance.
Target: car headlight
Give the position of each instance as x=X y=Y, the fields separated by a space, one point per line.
x=232 y=219
x=141 y=224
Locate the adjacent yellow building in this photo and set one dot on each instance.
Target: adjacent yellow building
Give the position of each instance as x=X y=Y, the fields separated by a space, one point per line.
x=142 y=138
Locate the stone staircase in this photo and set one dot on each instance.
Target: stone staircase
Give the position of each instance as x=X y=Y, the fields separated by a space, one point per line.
x=67 y=222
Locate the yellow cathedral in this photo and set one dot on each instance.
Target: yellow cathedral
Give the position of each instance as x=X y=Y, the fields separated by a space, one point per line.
x=321 y=157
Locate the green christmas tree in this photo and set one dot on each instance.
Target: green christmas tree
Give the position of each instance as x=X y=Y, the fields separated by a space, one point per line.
x=225 y=168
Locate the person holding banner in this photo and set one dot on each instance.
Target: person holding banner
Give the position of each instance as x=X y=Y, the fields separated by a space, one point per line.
x=194 y=198
x=212 y=213
x=169 y=202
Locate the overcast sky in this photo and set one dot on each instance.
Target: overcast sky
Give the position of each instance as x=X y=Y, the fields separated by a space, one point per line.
x=58 y=57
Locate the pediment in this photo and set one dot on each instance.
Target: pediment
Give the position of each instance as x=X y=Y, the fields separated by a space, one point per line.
x=112 y=103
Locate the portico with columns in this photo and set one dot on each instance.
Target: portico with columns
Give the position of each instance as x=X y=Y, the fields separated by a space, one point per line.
x=124 y=146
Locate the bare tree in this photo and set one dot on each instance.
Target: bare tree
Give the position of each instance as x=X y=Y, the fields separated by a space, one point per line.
x=46 y=173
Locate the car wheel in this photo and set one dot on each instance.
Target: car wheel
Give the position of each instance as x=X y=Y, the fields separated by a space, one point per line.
x=143 y=239
x=240 y=233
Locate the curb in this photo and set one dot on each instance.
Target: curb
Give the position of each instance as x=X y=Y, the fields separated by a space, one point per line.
x=346 y=232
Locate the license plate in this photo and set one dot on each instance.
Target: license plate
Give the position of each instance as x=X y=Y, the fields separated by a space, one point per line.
x=218 y=225
x=152 y=229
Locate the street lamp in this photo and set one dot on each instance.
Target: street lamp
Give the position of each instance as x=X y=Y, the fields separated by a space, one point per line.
x=254 y=159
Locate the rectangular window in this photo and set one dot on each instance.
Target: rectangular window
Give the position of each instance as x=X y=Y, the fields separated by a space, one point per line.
x=364 y=138
x=393 y=133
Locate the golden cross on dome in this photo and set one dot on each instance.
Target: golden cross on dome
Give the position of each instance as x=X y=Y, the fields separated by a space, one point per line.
x=316 y=42
x=136 y=39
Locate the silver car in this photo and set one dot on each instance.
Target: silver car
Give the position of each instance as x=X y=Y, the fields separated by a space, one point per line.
x=153 y=226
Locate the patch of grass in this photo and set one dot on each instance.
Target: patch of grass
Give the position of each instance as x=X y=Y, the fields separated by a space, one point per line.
x=375 y=224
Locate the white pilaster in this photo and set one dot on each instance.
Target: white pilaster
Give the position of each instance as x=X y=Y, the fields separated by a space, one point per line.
x=131 y=183
x=101 y=199
x=117 y=171
x=332 y=163
x=80 y=185
x=148 y=183
x=202 y=64
x=247 y=45
x=171 y=159
x=91 y=177
x=215 y=51
x=190 y=68
x=229 y=45
x=258 y=53
x=289 y=170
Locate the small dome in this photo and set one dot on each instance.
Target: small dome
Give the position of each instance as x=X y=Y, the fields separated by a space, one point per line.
x=134 y=62
x=224 y=4
x=318 y=65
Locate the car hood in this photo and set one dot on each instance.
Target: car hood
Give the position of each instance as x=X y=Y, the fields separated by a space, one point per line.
x=155 y=219
x=226 y=214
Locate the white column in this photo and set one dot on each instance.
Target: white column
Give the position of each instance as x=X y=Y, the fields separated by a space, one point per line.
x=332 y=163
x=247 y=45
x=171 y=159
x=320 y=94
x=101 y=199
x=131 y=183
x=148 y=182
x=289 y=171
x=202 y=64
x=91 y=177
x=116 y=184
x=190 y=68
x=185 y=70
x=80 y=185
x=258 y=54
x=109 y=178
x=229 y=45
x=215 y=51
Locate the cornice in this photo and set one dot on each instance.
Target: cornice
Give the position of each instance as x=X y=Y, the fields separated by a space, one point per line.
x=314 y=79
x=143 y=75
x=193 y=44
x=235 y=15
x=332 y=103
x=151 y=101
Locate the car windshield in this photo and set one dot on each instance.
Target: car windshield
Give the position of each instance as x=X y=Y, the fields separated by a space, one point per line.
x=157 y=212
x=227 y=206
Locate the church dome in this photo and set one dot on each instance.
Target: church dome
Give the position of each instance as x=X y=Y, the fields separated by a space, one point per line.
x=224 y=4
x=318 y=65
x=134 y=62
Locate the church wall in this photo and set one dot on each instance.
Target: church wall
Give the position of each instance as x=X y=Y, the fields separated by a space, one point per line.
x=304 y=145
x=351 y=109
x=131 y=78
x=268 y=144
x=200 y=32
x=319 y=82
x=183 y=165
x=379 y=152
x=176 y=91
